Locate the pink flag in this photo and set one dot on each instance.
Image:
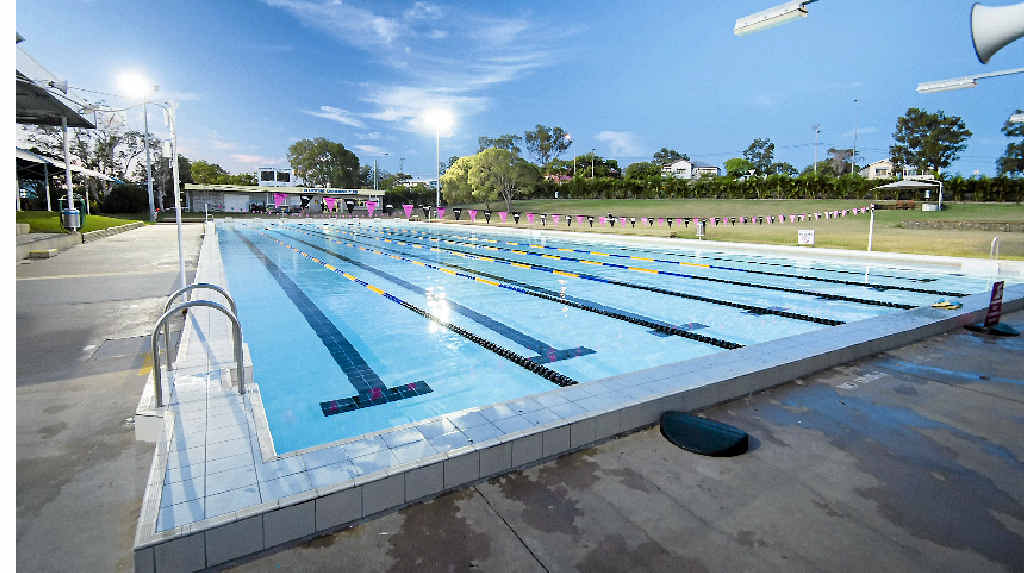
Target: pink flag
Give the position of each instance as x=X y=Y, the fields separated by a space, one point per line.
x=695 y=221
x=743 y=220
x=661 y=222
x=782 y=218
x=503 y=215
x=602 y=220
x=555 y=217
x=280 y=199
x=371 y=206
x=714 y=221
x=580 y=219
x=623 y=221
x=680 y=222
x=330 y=202
x=440 y=212
x=472 y=215
x=771 y=219
x=529 y=217
x=408 y=210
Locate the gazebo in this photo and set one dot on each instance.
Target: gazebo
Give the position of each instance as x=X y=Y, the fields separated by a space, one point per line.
x=918 y=184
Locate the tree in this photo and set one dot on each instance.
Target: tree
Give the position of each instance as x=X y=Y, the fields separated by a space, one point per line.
x=498 y=173
x=455 y=181
x=782 y=168
x=508 y=142
x=841 y=159
x=593 y=165
x=928 y=141
x=1012 y=161
x=206 y=173
x=643 y=170
x=760 y=153
x=323 y=163
x=738 y=167
x=665 y=156
x=825 y=169
x=546 y=142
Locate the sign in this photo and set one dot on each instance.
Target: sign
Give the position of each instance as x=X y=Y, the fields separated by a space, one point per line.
x=995 y=305
x=331 y=191
x=805 y=237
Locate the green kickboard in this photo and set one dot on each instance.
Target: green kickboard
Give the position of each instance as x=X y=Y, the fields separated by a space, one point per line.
x=703 y=436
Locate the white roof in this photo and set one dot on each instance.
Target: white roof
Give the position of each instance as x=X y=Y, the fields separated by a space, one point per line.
x=26 y=155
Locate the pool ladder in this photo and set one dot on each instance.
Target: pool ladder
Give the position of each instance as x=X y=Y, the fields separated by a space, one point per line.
x=236 y=333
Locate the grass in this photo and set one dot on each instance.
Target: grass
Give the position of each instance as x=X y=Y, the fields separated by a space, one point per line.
x=49 y=221
x=848 y=233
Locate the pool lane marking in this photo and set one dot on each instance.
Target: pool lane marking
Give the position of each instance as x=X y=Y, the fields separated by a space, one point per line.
x=829 y=296
x=582 y=305
x=760 y=310
x=518 y=359
x=545 y=352
x=710 y=266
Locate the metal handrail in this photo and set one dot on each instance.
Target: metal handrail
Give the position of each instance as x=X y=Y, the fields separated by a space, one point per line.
x=175 y=294
x=993 y=250
x=236 y=336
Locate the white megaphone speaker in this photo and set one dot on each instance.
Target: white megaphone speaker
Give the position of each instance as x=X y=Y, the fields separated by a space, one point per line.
x=992 y=27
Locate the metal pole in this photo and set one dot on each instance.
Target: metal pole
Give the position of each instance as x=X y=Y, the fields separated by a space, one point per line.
x=67 y=164
x=149 y=167
x=871 y=229
x=437 y=165
x=816 y=150
x=46 y=184
x=856 y=121
x=177 y=193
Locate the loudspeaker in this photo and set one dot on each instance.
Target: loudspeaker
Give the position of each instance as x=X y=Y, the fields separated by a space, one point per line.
x=994 y=27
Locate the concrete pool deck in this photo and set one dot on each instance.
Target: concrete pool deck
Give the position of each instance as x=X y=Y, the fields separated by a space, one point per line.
x=218 y=491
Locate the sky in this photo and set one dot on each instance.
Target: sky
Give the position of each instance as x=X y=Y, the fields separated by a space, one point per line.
x=624 y=78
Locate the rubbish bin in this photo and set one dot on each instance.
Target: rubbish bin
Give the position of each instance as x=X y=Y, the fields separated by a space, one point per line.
x=70 y=219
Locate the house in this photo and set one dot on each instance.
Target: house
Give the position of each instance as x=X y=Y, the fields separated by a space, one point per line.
x=410 y=183
x=686 y=169
x=558 y=178
x=883 y=170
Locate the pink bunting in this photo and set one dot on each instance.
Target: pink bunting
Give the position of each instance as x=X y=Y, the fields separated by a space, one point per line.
x=714 y=221
x=661 y=222
x=280 y=199
x=503 y=215
x=602 y=220
x=623 y=221
x=555 y=217
x=695 y=221
x=371 y=206
x=408 y=210
x=580 y=219
x=440 y=212
x=529 y=217
x=330 y=202
x=743 y=220
x=472 y=215
x=680 y=222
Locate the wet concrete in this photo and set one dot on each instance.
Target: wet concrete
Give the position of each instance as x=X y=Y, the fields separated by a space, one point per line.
x=909 y=461
x=80 y=472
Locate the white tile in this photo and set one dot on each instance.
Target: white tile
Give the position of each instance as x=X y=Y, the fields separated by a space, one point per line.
x=401 y=437
x=232 y=500
x=600 y=402
x=284 y=486
x=184 y=473
x=478 y=434
x=554 y=441
x=339 y=508
x=180 y=514
x=186 y=553
x=606 y=425
x=525 y=405
x=567 y=410
x=450 y=441
x=581 y=433
x=229 y=463
x=323 y=457
x=229 y=479
x=498 y=412
x=526 y=449
x=551 y=399
x=363 y=447
x=461 y=469
x=234 y=540
x=182 y=491
x=515 y=424
x=227 y=448
x=467 y=420
x=279 y=468
x=542 y=416
x=288 y=523
x=186 y=457
x=332 y=475
x=424 y=481
x=436 y=428
x=380 y=460
x=410 y=453
x=383 y=494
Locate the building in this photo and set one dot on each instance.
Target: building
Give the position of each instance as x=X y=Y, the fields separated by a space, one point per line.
x=410 y=183
x=274 y=177
x=686 y=169
x=883 y=170
x=245 y=199
x=558 y=178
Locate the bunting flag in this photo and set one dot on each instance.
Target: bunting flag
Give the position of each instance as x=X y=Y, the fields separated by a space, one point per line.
x=623 y=221
x=472 y=215
x=792 y=218
x=330 y=202
x=408 y=210
x=782 y=218
x=580 y=219
x=503 y=215
x=661 y=222
x=555 y=217
x=371 y=206
x=280 y=199
x=602 y=220
x=771 y=219
x=440 y=212
x=529 y=217
x=743 y=220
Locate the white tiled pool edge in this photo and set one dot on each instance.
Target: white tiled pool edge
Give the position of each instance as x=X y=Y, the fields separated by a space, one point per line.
x=639 y=398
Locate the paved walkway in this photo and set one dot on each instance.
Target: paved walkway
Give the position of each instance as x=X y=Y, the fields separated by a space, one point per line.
x=83 y=320
x=908 y=461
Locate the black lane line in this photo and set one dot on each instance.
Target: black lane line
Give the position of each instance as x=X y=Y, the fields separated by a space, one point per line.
x=371 y=389
x=545 y=352
x=720 y=302
x=657 y=327
x=511 y=356
x=877 y=287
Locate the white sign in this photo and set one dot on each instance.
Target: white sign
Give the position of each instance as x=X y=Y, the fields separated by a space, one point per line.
x=805 y=237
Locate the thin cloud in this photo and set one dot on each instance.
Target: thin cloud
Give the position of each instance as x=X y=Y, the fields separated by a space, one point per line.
x=336 y=114
x=424 y=11
x=369 y=135
x=254 y=159
x=862 y=131
x=437 y=34
x=622 y=143
x=371 y=149
x=361 y=27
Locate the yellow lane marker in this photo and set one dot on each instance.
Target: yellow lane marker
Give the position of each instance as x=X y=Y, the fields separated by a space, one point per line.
x=563 y=273
x=330 y=267
x=600 y=254
x=652 y=271
x=591 y=262
x=642 y=259
x=487 y=281
x=696 y=265
x=375 y=289
x=520 y=265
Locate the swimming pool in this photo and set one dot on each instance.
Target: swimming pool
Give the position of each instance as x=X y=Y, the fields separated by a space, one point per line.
x=356 y=327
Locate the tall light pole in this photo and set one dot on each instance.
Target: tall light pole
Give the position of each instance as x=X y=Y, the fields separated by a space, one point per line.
x=817 y=132
x=856 y=121
x=568 y=136
x=593 y=154
x=138 y=86
x=438 y=119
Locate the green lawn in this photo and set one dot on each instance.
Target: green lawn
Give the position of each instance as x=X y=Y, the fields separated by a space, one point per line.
x=49 y=221
x=848 y=233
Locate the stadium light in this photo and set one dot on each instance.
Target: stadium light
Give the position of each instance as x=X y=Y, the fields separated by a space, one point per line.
x=138 y=86
x=1017 y=118
x=962 y=82
x=439 y=119
x=771 y=17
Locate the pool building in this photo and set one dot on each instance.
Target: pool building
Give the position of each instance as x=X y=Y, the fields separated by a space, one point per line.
x=248 y=198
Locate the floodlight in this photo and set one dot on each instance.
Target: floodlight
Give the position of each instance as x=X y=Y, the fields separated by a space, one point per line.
x=962 y=82
x=771 y=17
x=135 y=85
x=438 y=118
x=1017 y=118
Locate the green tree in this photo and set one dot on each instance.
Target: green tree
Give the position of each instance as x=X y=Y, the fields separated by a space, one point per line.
x=841 y=159
x=738 y=167
x=508 y=142
x=498 y=173
x=546 y=142
x=825 y=169
x=782 y=168
x=455 y=181
x=206 y=173
x=928 y=141
x=324 y=163
x=665 y=156
x=593 y=165
x=643 y=170
x=760 y=153
x=1012 y=161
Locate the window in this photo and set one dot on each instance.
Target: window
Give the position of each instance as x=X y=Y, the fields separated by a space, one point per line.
x=284 y=176
x=266 y=175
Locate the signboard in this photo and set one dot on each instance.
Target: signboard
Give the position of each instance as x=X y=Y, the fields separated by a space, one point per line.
x=805 y=237
x=995 y=305
x=333 y=191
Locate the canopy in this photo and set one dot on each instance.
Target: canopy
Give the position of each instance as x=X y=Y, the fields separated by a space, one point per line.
x=26 y=155
x=910 y=184
x=36 y=106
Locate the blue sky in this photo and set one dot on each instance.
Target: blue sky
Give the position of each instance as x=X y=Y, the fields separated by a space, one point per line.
x=624 y=77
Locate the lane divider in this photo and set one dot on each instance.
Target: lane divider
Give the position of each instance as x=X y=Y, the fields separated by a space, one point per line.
x=518 y=359
x=878 y=287
x=632 y=319
x=755 y=309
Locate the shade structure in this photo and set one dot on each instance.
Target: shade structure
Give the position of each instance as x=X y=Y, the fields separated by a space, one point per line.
x=34 y=105
x=30 y=157
x=910 y=184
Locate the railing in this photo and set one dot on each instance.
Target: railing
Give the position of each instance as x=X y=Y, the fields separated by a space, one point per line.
x=236 y=337
x=993 y=250
x=179 y=292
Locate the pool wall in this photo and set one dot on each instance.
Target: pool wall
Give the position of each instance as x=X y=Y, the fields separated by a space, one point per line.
x=606 y=408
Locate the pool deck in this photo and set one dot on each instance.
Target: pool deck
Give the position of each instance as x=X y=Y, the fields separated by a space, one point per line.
x=218 y=491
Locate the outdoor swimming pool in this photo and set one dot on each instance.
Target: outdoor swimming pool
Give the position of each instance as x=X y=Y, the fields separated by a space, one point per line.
x=356 y=327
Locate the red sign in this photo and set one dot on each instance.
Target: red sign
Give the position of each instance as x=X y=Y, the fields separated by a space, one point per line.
x=995 y=306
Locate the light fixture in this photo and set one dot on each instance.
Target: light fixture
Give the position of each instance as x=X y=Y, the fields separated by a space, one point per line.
x=438 y=118
x=771 y=17
x=135 y=85
x=962 y=82
x=1017 y=118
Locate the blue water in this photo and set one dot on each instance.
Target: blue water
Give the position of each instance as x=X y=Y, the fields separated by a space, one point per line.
x=389 y=344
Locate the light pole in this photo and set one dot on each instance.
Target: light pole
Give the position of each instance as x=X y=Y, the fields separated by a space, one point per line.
x=593 y=154
x=138 y=86
x=438 y=119
x=568 y=136
x=856 y=121
x=817 y=132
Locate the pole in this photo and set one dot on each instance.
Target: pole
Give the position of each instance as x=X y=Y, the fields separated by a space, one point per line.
x=593 y=153
x=46 y=184
x=67 y=163
x=149 y=167
x=177 y=193
x=374 y=174
x=437 y=165
x=856 y=121
x=871 y=228
x=815 y=150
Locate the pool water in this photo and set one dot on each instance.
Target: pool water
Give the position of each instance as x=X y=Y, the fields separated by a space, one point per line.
x=355 y=327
